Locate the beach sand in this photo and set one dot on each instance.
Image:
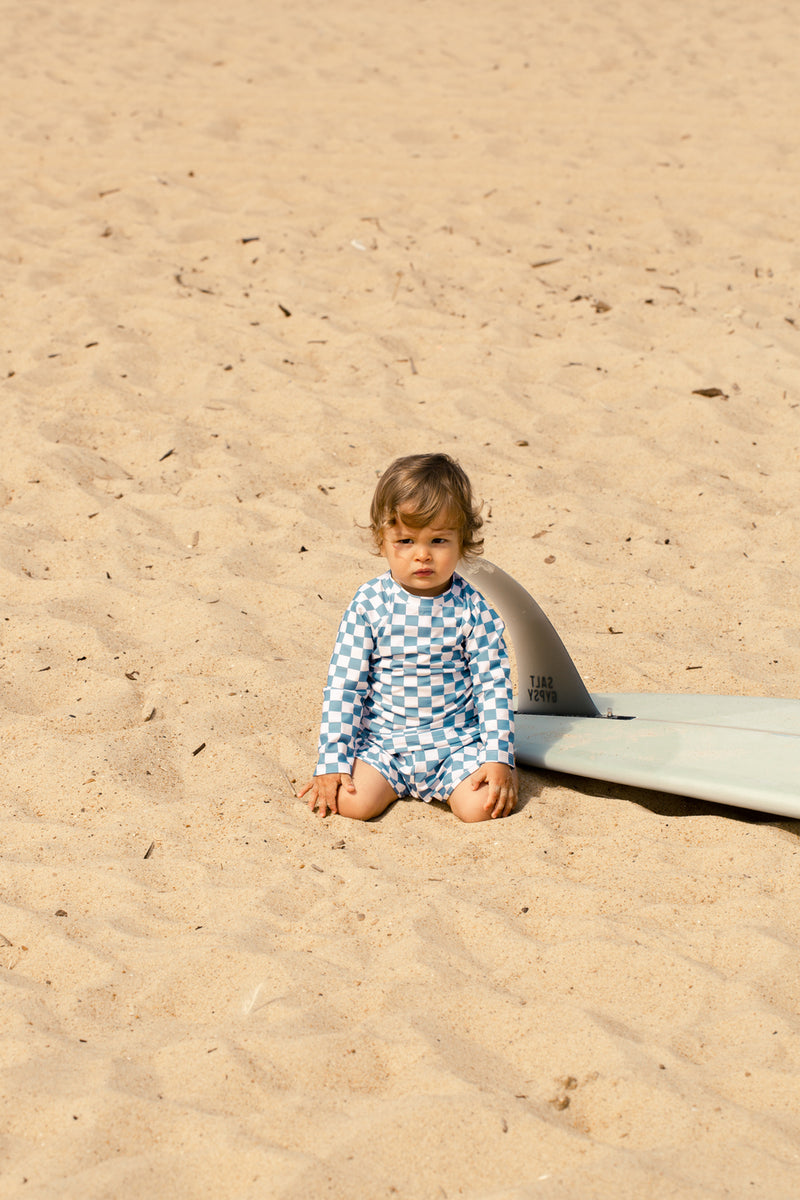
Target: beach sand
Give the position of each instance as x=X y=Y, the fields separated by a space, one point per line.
x=251 y=253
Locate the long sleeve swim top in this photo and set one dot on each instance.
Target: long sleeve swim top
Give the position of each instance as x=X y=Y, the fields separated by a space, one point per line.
x=414 y=671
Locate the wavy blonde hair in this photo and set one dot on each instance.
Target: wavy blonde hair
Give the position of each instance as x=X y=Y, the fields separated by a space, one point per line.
x=417 y=490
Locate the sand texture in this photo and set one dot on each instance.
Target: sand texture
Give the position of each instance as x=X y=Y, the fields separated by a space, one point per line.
x=250 y=253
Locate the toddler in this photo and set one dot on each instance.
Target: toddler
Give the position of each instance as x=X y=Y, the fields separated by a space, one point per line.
x=418 y=700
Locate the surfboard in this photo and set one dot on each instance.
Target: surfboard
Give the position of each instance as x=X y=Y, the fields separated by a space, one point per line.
x=738 y=750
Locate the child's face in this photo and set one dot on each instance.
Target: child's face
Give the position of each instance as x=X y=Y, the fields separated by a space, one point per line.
x=423 y=560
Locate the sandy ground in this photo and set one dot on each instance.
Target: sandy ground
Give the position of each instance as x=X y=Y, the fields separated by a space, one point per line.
x=251 y=252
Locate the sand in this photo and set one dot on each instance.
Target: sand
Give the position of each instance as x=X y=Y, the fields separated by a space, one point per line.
x=250 y=253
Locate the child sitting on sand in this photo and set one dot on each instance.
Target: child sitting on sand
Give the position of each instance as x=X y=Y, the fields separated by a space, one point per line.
x=418 y=700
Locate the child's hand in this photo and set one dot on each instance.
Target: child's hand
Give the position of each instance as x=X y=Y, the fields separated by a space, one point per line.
x=502 y=784
x=324 y=790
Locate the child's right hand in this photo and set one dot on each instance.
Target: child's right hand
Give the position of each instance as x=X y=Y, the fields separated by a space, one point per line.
x=324 y=790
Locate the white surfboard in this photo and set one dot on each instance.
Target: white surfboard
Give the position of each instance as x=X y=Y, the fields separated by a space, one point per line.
x=739 y=750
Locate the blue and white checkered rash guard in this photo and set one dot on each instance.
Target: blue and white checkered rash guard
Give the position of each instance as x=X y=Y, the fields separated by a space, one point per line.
x=410 y=672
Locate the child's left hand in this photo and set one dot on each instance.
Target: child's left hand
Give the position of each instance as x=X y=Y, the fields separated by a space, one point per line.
x=502 y=784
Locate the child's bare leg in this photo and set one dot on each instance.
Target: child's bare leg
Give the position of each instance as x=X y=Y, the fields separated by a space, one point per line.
x=372 y=796
x=468 y=804
x=480 y=804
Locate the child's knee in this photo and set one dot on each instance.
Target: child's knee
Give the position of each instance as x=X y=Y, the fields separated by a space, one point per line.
x=471 y=816
x=468 y=804
x=371 y=797
x=360 y=808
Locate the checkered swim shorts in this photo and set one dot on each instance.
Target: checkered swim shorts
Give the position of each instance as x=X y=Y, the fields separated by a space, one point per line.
x=430 y=773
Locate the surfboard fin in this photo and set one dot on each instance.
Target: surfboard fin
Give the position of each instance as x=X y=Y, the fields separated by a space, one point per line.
x=547 y=679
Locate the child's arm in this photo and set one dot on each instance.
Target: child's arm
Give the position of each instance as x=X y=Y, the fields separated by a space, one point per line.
x=494 y=701
x=347 y=685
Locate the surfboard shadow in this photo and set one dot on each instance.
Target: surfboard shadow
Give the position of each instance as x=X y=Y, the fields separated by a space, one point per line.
x=666 y=804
